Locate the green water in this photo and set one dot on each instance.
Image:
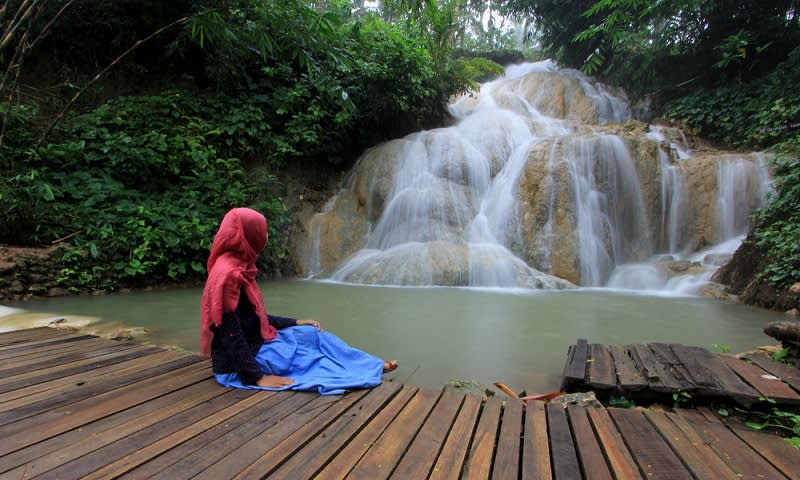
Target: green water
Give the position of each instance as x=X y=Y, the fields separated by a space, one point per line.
x=438 y=334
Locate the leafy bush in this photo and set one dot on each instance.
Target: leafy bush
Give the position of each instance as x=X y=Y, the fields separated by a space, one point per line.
x=139 y=185
x=778 y=224
x=758 y=113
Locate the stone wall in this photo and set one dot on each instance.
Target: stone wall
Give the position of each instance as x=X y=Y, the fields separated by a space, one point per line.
x=28 y=272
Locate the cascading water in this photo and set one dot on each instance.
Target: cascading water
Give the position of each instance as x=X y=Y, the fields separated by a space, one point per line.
x=541 y=183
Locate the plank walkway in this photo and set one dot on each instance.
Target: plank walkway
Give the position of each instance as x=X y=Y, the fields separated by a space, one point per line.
x=649 y=371
x=77 y=406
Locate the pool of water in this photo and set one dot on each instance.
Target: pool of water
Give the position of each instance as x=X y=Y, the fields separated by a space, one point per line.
x=519 y=337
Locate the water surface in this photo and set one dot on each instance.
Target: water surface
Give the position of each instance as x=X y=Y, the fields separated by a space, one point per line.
x=519 y=337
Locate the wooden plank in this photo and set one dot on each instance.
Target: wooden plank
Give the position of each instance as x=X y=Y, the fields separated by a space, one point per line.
x=628 y=376
x=593 y=462
x=246 y=454
x=51 y=358
x=12 y=343
x=619 y=458
x=22 y=363
x=419 y=460
x=451 y=459
x=385 y=453
x=89 y=465
x=645 y=361
x=710 y=371
x=696 y=459
x=658 y=377
x=353 y=451
x=57 y=383
x=694 y=360
x=269 y=461
x=166 y=362
x=314 y=455
x=601 y=369
x=230 y=442
x=673 y=365
x=57 y=451
x=118 y=425
x=149 y=460
x=768 y=385
x=479 y=458
x=506 y=458
x=716 y=463
x=785 y=372
x=775 y=449
x=654 y=457
x=59 y=343
x=535 y=447
x=53 y=422
x=29 y=334
x=108 y=356
x=562 y=450
x=733 y=451
x=47 y=367
x=88 y=385
x=575 y=369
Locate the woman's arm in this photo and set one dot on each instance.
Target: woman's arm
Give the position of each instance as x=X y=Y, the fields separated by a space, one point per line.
x=281 y=322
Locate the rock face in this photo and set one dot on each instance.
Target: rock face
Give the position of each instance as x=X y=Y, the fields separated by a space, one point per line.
x=27 y=272
x=741 y=276
x=544 y=182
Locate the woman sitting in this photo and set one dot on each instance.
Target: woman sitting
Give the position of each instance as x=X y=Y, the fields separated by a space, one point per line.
x=251 y=349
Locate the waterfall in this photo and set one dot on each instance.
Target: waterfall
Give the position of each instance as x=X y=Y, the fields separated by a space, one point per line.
x=541 y=183
x=743 y=186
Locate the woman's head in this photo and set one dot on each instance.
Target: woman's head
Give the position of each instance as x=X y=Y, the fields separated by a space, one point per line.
x=242 y=233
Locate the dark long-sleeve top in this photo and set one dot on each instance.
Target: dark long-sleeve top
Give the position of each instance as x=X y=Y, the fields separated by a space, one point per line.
x=237 y=341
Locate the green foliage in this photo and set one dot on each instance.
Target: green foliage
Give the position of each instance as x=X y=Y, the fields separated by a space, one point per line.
x=142 y=183
x=681 y=399
x=138 y=184
x=778 y=224
x=721 y=347
x=477 y=69
x=621 y=402
x=638 y=43
x=762 y=112
x=780 y=355
x=777 y=418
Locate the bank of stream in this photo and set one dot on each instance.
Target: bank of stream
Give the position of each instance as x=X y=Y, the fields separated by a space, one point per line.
x=438 y=334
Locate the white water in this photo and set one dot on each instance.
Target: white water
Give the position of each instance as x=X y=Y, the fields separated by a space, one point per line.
x=453 y=215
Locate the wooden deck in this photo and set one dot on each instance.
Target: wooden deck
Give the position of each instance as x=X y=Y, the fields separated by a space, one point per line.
x=76 y=406
x=648 y=371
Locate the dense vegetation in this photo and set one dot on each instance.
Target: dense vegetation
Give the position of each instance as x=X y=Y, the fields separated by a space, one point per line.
x=139 y=182
x=738 y=64
x=130 y=126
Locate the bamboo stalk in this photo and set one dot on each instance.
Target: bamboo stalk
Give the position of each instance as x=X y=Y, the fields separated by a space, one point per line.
x=9 y=33
x=97 y=77
x=50 y=23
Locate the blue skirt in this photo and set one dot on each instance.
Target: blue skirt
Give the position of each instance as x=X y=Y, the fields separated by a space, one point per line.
x=315 y=360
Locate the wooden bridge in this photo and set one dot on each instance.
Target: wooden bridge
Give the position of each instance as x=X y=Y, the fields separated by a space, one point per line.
x=77 y=406
x=648 y=371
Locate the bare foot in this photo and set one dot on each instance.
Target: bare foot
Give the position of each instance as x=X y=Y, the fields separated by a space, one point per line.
x=390 y=365
x=274 y=381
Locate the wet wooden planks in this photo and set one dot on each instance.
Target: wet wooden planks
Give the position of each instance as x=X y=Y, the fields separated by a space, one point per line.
x=99 y=412
x=655 y=369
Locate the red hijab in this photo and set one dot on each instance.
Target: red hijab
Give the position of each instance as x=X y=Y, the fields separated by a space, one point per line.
x=232 y=266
